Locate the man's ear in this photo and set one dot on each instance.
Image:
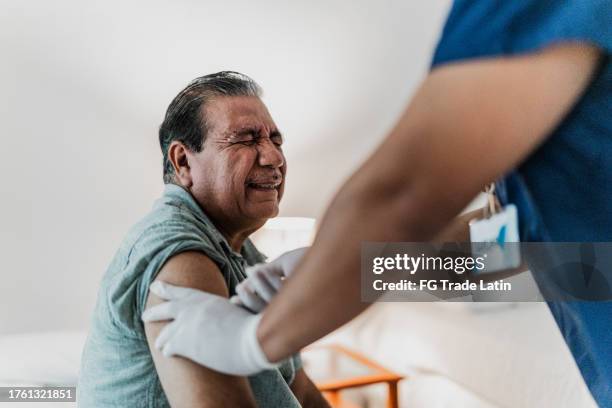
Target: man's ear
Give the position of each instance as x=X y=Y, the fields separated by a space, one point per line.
x=177 y=154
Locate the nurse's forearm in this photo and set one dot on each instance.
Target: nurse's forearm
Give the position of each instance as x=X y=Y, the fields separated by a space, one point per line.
x=396 y=195
x=324 y=291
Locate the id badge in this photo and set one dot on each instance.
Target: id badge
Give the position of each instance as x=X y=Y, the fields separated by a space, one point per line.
x=489 y=237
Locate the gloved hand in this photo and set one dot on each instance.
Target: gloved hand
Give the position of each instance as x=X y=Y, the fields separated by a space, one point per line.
x=265 y=279
x=207 y=329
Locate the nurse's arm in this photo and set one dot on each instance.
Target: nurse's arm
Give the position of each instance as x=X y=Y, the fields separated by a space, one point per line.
x=467 y=125
x=185 y=383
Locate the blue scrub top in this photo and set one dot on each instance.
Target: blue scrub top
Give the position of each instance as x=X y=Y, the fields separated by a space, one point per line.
x=563 y=191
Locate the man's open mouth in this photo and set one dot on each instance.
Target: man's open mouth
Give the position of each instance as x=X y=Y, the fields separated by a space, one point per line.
x=274 y=185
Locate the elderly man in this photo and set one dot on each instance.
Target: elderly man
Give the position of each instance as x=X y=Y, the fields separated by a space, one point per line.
x=224 y=172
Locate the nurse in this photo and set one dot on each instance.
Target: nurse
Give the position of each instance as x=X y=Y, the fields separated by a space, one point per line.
x=519 y=91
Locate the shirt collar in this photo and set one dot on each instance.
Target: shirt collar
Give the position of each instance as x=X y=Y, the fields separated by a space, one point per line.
x=184 y=199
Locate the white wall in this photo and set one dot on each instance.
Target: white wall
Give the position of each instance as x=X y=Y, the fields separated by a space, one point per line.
x=85 y=85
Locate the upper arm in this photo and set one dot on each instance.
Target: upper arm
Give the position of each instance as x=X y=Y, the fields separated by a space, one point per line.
x=186 y=383
x=470 y=123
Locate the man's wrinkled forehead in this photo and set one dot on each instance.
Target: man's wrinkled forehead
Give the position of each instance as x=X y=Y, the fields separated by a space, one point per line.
x=227 y=115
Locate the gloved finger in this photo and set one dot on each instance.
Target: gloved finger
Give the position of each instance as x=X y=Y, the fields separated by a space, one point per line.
x=267 y=268
x=249 y=298
x=275 y=279
x=246 y=284
x=289 y=260
x=272 y=272
x=235 y=300
x=262 y=286
x=170 y=292
x=241 y=288
x=168 y=349
x=163 y=311
x=165 y=335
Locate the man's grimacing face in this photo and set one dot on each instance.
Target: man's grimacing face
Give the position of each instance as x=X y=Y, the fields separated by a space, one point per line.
x=238 y=176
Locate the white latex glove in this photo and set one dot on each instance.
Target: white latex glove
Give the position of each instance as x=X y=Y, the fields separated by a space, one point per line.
x=207 y=329
x=265 y=279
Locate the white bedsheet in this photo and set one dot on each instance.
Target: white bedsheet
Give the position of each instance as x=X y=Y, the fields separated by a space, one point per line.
x=503 y=355
x=48 y=358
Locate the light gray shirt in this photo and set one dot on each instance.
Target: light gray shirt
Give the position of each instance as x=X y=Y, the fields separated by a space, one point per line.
x=117 y=368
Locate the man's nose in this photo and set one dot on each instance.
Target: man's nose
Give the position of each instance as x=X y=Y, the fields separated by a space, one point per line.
x=269 y=154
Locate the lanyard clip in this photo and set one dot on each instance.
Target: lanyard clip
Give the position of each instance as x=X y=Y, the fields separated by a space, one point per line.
x=493 y=204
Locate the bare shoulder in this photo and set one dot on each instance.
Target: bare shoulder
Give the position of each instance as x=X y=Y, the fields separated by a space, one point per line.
x=195 y=270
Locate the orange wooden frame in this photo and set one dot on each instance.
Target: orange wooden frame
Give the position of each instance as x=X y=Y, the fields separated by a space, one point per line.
x=332 y=389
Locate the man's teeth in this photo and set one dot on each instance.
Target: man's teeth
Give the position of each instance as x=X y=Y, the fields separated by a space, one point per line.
x=265 y=185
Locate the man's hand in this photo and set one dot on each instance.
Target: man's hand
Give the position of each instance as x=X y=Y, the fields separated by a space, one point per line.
x=207 y=329
x=264 y=280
